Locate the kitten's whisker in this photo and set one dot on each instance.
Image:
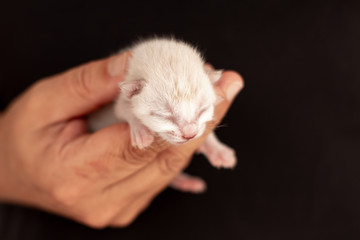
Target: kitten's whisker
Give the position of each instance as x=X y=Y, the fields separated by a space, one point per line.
x=221 y=126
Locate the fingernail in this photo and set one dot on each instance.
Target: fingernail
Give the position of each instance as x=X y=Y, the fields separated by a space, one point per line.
x=118 y=64
x=233 y=89
x=208 y=67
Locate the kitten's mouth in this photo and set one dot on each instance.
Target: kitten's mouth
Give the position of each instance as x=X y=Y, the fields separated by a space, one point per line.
x=177 y=140
x=181 y=142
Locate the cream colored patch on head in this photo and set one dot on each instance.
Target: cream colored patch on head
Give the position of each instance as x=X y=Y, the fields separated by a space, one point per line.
x=181 y=95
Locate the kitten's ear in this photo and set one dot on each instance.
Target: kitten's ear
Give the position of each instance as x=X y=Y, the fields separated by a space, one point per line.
x=131 y=88
x=214 y=75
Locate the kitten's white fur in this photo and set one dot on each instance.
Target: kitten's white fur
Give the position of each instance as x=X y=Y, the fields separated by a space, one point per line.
x=167 y=92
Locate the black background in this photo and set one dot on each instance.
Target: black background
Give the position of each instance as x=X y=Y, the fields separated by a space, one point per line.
x=295 y=126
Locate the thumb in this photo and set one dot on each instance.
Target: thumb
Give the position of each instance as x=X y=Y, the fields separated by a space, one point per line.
x=82 y=89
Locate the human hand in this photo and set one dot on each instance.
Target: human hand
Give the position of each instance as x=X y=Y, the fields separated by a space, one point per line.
x=49 y=160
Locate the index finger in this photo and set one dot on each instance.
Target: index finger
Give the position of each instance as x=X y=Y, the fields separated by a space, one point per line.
x=77 y=91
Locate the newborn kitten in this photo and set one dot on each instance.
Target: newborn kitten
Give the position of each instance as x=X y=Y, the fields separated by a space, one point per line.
x=168 y=92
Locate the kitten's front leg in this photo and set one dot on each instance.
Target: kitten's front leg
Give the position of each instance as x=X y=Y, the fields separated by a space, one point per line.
x=141 y=136
x=218 y=154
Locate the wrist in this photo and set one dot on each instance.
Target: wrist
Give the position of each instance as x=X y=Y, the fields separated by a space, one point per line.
x=4 y=171
x=13 y=188
x=7 y=180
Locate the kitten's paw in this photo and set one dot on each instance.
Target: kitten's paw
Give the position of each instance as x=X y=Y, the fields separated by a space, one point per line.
x=141 y=136
x=186 y=183
x=219 y=155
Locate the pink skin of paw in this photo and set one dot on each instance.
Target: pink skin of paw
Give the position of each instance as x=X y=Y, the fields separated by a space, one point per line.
x=141 y=136
x=218 y=154
x=187 y=183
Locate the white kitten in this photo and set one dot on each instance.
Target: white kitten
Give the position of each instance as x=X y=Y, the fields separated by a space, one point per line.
x=168 y=92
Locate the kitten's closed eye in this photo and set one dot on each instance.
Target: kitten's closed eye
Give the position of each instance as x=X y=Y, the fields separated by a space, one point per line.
x=160 y=115
x=164 y=119
x=172 y=133
x=202 y=110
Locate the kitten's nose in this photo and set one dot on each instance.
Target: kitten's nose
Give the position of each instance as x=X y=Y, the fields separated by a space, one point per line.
x=189 y=131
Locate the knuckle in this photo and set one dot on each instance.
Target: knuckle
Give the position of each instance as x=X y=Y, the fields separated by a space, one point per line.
x=66 y=195
x=95 y=222
x=128 y=219
x=125 y=221
x=98 y=219
x=135 y=156
x=80 y=84
x=169 y=164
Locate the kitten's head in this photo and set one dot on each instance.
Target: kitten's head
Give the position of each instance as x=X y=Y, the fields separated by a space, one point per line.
x=176 y=113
